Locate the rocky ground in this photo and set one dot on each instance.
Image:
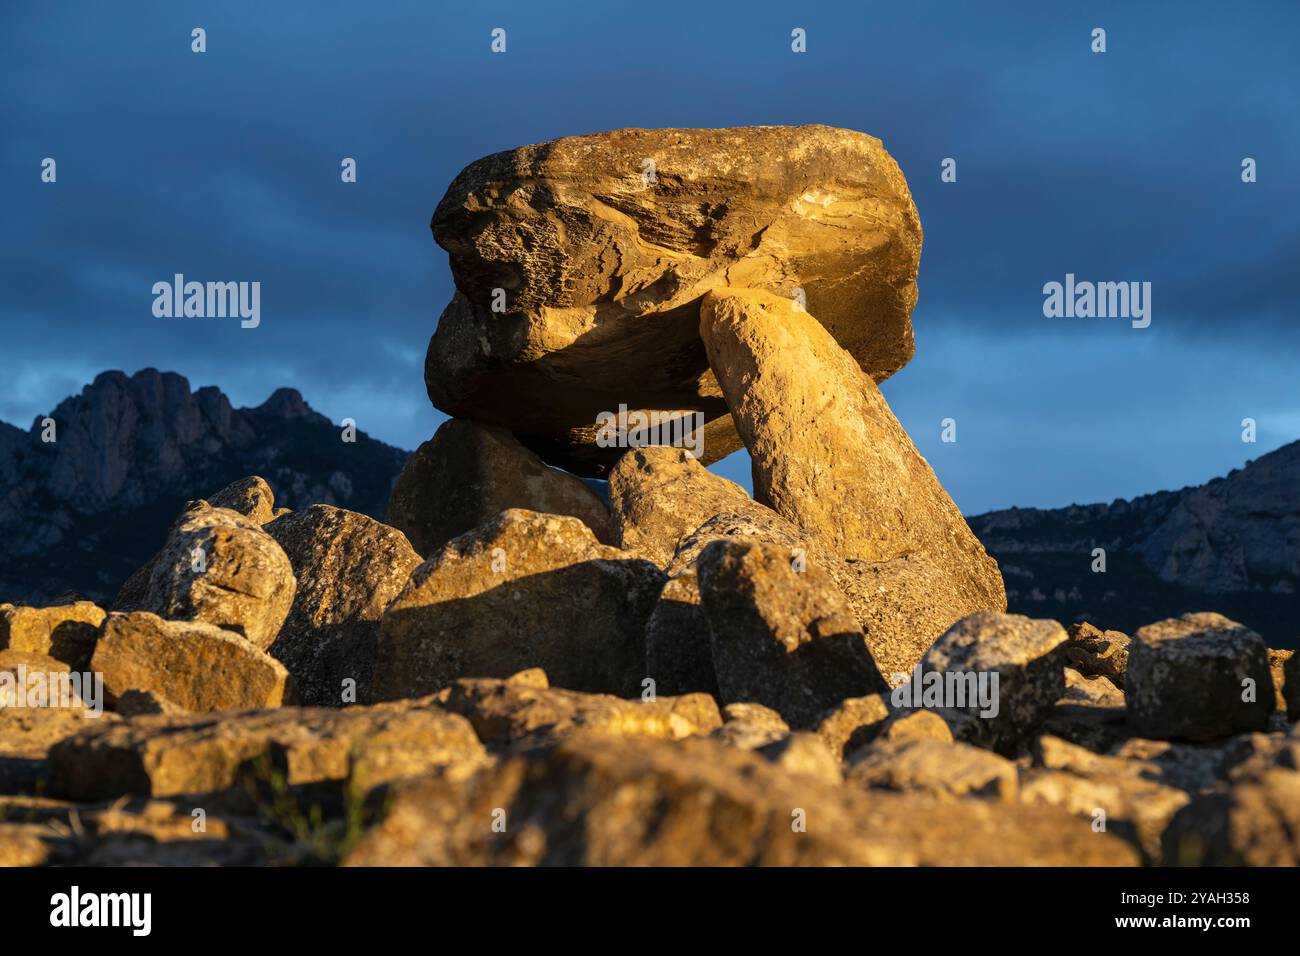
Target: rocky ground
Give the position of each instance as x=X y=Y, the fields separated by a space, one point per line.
x=510 y=670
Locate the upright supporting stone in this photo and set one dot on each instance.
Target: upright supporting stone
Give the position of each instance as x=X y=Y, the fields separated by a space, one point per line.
x=829 y=455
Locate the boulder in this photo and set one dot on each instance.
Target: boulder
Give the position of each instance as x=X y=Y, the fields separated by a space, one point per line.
x=25 y=844
x=1090 y=691
x=1129 y=797
x=142 y=832
x=218 y=567
x=251 y=497
x=161 y=756
x=853 y=722
x=348 y=567
x=195 y=666
x=1253 y=823
x=750 y=726
x=1187 y=677
x=803 y=754
x=522 y=708
x=1011 y=661
x=524 y=590
x=603 y=801
x=829 y=455
x=678 y=655
x=659 y=494
x=27 y=733
x=580 y=264
x=938 y=767
x=779 y=636
x=65 y=632
x=469 y=472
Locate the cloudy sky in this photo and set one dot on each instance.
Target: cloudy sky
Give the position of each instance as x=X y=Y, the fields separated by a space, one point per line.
x=1122 y=166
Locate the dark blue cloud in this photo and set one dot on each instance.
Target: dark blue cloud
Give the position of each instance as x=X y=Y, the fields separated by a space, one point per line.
x=1124 y=165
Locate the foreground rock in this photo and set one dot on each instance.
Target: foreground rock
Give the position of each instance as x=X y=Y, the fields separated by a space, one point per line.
x=525 y=590
x=750 y=726
x=859 y=721
x=470 y=471
x=193 y=666
x=1187 y=678
x=292 y=747
x=525 y=707
x=1254 y=823
x=218 y=567
x=829 y=455
x=779 y=636
x=678 y=655
x=65 y=632
x=133 y=832
x=1129 y=796
x=994 y=677
x=348 y=567
x=603 y=245
x=28 y=733
x=602 y=801
x=937 y=767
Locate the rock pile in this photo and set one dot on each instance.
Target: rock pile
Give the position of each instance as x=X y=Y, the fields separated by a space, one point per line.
x=513 y=670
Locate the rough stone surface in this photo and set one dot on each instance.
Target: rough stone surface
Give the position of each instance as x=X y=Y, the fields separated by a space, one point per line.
x=1134 y=795
x=65 y=632
x=756 y=523
x=604 y=801
x=829 y=455
x=780 y=637
x=136 y=703
x=349 y=567
x=128 y=832
x=26 y=736
x=1185 y=679
x=941 y=768
x=525 y=590
x=754 y=714
x=252 y=497
x=1094 y=691
x=1097 y=653
x=195 y=666
x=750 y=726
x=803 y=754
x=219 y=567
x=469 y=472
x=853 y=723
x=659 y=494
x=507 y=711
x=11 y=661
x=915 y=725
x=167 y=755
x=1254 y=823
x=603 y=269
x=678 y=655
x=1023 y=653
